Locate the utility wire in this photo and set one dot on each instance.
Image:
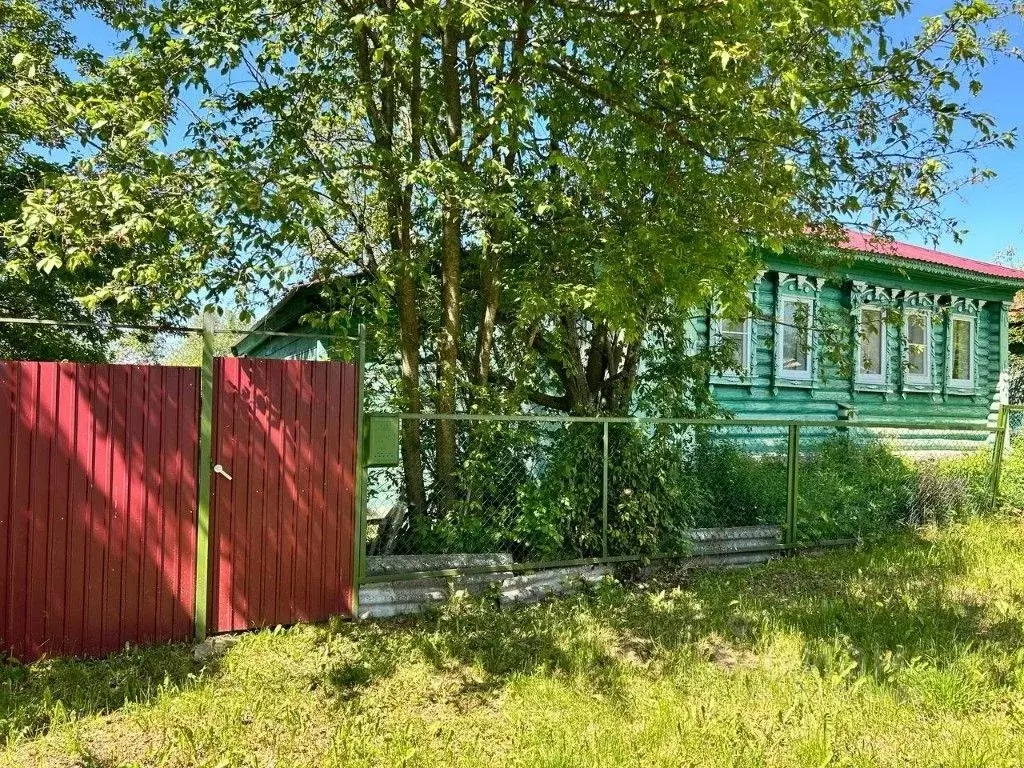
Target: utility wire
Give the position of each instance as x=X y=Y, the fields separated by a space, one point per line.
x=165 y=328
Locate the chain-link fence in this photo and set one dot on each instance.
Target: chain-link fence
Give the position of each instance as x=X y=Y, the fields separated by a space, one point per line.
x=1009 y=484
x=1015 y=420
x=479 y=490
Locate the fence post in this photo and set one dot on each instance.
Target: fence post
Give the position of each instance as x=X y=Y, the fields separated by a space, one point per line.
x=604 y=494
x=1002 y=423
x=204 y=478
x=359 y=528
x=792 y=484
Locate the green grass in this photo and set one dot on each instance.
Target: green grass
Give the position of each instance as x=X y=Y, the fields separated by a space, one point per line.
x=907 y=653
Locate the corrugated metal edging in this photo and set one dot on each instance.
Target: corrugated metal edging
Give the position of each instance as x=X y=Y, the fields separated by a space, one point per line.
x=282 y=525
x=97 y=506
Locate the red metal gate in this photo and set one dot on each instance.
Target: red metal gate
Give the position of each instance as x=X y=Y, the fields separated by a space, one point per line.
x=283 y=509
x=97 y=506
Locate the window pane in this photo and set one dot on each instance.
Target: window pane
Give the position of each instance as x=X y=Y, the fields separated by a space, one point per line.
x=917 y=344
x=871 y=342
x=962 y=349
x=794 y=339
x=733 y=326
x=734 y=336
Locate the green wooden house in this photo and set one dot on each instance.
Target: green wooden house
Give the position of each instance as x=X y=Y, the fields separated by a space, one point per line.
x=286 y=315
x=929 y=333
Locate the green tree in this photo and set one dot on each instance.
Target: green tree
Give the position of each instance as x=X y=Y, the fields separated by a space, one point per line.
x=37 y=132
x=537 y=189
x=46 y=298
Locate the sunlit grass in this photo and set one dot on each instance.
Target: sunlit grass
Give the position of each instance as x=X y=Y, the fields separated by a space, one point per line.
x=909 y=653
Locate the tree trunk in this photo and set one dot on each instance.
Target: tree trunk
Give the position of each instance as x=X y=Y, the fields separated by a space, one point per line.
x=604 y=384
x=451 y=256
x=490 y=294
x=408 y=314
x=382 y=119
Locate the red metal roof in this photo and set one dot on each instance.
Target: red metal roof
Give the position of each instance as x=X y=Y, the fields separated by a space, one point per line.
x=857 y=241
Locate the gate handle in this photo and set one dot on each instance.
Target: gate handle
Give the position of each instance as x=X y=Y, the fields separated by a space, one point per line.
x=219 y=469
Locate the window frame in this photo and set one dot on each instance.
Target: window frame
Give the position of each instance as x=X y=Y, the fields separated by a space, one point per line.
x=969 y=383
x=918 y=379
x=746 y=352
x=782 y=373
x=880 y=378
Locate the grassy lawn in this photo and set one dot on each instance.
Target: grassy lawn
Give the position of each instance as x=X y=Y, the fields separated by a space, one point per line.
x=910 y=653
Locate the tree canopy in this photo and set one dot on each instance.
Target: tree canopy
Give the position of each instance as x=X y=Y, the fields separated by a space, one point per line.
x=36 y=51
x=538 y=190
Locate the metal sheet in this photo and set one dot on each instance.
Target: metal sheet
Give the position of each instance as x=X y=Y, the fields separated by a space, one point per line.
x=97 y=506
x=282 y=525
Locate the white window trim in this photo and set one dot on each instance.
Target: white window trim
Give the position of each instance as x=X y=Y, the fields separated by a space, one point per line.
x=918 y=379
x=964 y=384
x=782 y=373
x=747 y=355
x=873 y=378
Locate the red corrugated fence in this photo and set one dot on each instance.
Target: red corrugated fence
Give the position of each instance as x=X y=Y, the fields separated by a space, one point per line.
x=97 y=506
x=98 y=501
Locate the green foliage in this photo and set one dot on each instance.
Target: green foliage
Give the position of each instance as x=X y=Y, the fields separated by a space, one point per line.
x=535 y=490
x=36 y=52
x=484 y=510
x=955 y=487
x=654 y=501
x=850 y=488
x=531 y=189
x=1011 y=483
x=561 y=512
x=55 y=297
x=537 y=494
x=744 y=488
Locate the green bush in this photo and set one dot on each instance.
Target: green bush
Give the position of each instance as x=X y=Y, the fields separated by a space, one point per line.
x=1011 y=485
x=557 y=513
x=852 y=488
x=652 y=499
x=654 y=496
x=535 y=490
x=477 y=511
x=743 y=488
x=953 y=488
x=847 y=488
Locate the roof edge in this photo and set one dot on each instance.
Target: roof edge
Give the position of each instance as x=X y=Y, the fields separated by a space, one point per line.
x=945 y=263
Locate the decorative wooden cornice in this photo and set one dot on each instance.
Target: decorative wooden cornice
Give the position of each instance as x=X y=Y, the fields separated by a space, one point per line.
x=963 y=305
x=806 y=284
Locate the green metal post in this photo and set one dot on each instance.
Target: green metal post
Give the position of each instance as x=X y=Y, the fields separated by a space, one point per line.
x=792 y=483
x=204 y=478
x=1002 y=422
x=604 y=496
x=359 y=533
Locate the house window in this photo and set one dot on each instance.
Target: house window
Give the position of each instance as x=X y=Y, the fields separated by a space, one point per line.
x=917 y=331
x=961 y=351
x=871 y=346
x=794 y=349
x=735 y=335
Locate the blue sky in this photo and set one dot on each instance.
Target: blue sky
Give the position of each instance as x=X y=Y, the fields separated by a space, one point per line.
x=992 y=211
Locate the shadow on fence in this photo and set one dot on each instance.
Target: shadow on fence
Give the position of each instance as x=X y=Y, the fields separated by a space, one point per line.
x=98 y=530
